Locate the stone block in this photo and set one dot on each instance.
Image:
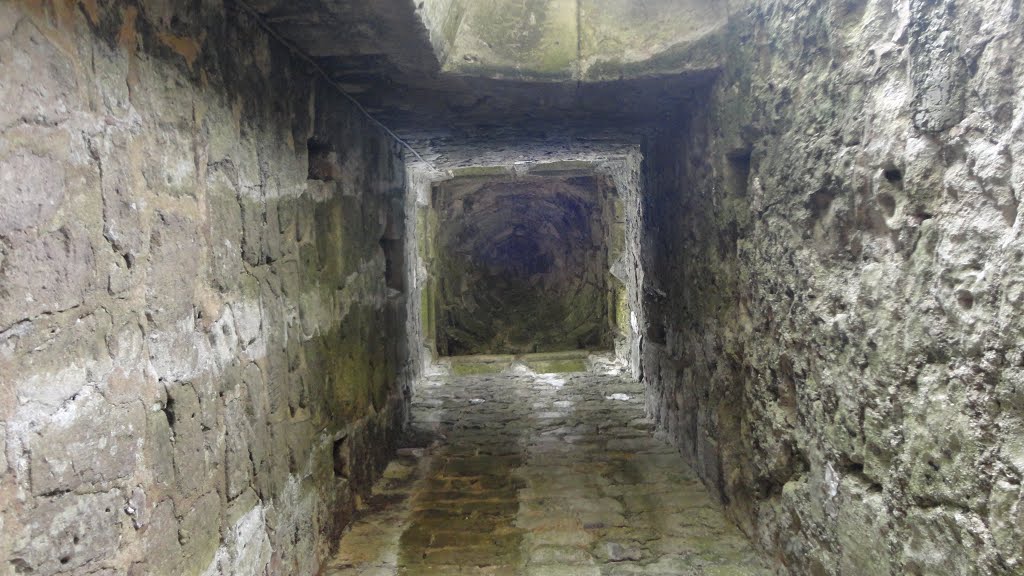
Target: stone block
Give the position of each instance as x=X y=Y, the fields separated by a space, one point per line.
x=199 y=534
x=31 y=190
x=941 y=449
x=171 y=168
x=862 y=530
x=111 y=67
x=938 y=75
x=222 y=133
x=164 y=97
x=287 y=218
x=273 y=242
x=124 y=223
x=10 y=16
x=64 y=359
x=71 y=532
x=163 y=551
x=51 y=273
x=88 y=444
x=251 y=546
x=191 y=458
x=225 y=217
x=175 y=245
x=159 y=452
x=709 y=460
x=28 y=89
x=254 y=217
x=238 y=462
x=941 y=541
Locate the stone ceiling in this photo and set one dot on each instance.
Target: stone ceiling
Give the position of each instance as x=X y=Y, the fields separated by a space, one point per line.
x=588 y=40
x=533 y=69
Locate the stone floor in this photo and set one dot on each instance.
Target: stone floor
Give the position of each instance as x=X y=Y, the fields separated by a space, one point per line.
x=539 y=474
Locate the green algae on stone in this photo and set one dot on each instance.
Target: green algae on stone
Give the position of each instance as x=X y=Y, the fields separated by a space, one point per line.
x=475 y=368
x=558 y=366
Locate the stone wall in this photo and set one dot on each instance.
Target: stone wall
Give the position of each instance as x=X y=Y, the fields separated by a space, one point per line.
x=198 y=340
x=834 y=246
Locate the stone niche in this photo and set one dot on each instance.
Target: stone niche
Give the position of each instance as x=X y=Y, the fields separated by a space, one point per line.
x=520 y=264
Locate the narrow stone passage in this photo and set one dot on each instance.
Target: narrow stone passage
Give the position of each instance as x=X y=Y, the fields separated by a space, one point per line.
x=540 y=474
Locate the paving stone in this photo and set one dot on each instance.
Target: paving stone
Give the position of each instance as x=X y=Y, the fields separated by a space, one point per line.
x=509 y=491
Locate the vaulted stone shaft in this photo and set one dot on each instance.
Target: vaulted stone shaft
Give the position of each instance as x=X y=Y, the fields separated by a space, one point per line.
x=522 y=265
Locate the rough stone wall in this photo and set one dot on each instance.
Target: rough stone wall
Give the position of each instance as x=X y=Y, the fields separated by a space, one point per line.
x=834 y=247
x=198 y=340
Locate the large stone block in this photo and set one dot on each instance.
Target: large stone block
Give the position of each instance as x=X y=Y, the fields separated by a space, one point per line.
x=1006 y=520
x=111 y=79
x=171 y=169
x=175 y=243
x=159 y=452
x=31 y=190
x=254 y=218
x=29 y=90
x=862 y=530
x=225 y=218
x=942 y=541
x=192 y=463
x=52 y=273
x=71 y=532
x=250 y=547
x=165 y=98
x=937 y=68
x=162 y=548
x=125 y=224
x=238 y=434
x=58 y=360
x=943 y=453
x=89 y=444
x=199 y=534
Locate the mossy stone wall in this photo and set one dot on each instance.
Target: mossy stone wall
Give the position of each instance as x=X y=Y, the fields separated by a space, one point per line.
x=198 y=369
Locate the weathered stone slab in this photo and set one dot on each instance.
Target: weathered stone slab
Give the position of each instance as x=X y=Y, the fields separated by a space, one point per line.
x=89 y=444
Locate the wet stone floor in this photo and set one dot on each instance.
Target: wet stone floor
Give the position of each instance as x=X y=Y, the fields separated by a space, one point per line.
x=531 y=474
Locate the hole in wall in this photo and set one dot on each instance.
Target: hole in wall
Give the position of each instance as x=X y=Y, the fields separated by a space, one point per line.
x=323 y=161
x=656 y=333
x=169 y=412
x=965 y=298
x=394 y=263
x=340 y=454
x=737 y=177
x=893 y=175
